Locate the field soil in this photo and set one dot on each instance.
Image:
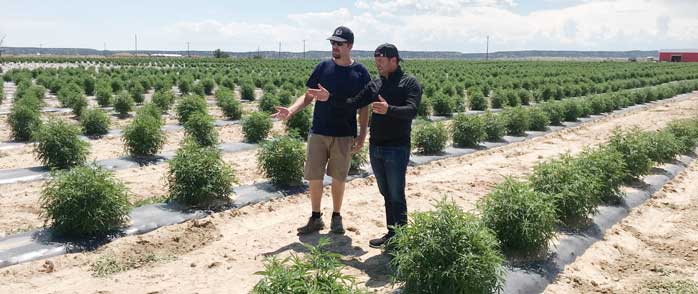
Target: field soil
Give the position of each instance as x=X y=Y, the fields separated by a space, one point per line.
x=109 y=146
x=655 y=249
x=223 y=251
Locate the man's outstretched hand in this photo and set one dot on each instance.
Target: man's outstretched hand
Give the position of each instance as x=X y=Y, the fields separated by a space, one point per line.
x=282 y=113
x=319 y=94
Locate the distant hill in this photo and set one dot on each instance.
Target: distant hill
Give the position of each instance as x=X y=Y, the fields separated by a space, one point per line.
x=528 y=54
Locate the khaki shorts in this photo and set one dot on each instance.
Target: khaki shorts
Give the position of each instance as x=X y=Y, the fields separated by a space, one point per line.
x=331 y=153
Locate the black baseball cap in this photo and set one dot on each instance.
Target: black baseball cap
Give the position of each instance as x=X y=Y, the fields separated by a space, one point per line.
x=387 y=50
x=342 y=34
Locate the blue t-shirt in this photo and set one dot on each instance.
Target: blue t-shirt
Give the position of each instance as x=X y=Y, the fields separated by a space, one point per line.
x=342 y=82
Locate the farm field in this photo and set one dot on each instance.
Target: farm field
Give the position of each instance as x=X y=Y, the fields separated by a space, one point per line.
x=654 y=249
x=571 y=107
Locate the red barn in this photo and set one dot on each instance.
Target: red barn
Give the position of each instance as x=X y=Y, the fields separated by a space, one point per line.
x=680 y=55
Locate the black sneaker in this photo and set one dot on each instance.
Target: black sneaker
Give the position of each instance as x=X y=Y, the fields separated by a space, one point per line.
x=380 y=242
x=336 y=226
x=313 y=225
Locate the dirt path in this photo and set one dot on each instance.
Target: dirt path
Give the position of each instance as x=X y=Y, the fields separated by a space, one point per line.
x=234 y=243
x=109 y=147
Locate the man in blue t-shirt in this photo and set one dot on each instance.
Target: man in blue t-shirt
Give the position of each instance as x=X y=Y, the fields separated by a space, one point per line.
x=332 y=138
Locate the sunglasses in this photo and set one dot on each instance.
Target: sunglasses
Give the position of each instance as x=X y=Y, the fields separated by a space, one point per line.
x=336 y=43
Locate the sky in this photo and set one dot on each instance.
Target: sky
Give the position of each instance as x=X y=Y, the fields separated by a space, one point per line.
x=438 y=25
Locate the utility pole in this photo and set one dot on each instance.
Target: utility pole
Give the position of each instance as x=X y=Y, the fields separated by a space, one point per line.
x=188 y=54
x=1 y=41
x=104 y=52
x=487 y=54
x=303 y=49
x=279 y=49
x=136 y=38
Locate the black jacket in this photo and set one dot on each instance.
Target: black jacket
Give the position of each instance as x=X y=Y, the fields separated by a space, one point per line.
x=403 y=93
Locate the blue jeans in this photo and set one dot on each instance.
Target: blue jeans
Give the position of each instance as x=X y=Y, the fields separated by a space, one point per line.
x=389 y=165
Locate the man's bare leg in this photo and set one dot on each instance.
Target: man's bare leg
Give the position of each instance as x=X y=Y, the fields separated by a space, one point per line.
x=316 y=195
x=337 y=194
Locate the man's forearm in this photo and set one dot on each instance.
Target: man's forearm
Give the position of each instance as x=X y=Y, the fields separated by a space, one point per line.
x=299 y=104
x=363 y=121
x=361 y=100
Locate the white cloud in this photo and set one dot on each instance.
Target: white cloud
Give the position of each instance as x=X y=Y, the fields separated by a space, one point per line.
x=462 y=25
x=444 y=25
x=315 y=19
x=314 y=27
x=440 y=6
x=589 y=25
x=235 y=35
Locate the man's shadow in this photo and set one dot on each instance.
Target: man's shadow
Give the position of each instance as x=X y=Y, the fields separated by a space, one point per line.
x=377 y=267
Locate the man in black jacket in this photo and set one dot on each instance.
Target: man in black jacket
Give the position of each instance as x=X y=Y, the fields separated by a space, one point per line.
x=394 y=98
